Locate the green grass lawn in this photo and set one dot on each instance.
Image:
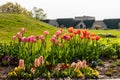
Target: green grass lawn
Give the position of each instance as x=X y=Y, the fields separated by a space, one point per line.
x=113 y=32
x=10 y=24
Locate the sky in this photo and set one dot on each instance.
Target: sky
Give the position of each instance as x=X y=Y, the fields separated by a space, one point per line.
x=100 y=9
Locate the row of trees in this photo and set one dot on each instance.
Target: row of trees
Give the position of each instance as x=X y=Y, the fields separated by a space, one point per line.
x=11 y=8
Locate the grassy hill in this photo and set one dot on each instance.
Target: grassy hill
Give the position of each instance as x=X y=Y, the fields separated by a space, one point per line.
x=10 y=24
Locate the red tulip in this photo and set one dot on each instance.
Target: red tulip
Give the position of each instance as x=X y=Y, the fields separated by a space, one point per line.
x=93 y=38
x=81 y=36
x=97 y=38
x=92 y=34
x=78 y=31
x=88 y=37
x=70 y=29
x=71 y=35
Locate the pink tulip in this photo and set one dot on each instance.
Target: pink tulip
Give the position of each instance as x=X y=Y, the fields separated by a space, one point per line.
x=42 y=38
x=22 y=30
x=21 y=64
x=14 y=38
x=36 y=62
x=19 y=35
x=37 y=37
x=24 y=39
x=46 y=33
x=58 y=33
x=61 y=45
x=32 y=38
x=56 y=41
x=53 y=39
x=28 y=39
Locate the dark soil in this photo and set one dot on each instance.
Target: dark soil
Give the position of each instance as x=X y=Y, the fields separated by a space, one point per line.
x=107 y=71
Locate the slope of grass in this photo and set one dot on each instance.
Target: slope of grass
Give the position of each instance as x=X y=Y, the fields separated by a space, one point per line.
x=10 y=24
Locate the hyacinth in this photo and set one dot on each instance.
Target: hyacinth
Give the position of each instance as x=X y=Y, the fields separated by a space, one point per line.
x=22 y=30
x=41 y=60
x=14 y=38
x=45 y=33
x=79 y=64
x=38 y=61
x=32 y=70
x=21 y=64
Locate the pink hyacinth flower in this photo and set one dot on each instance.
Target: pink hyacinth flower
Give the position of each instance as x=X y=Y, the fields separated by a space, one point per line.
x=21 y=64
x=41 y=60
x=36 y=62
x=32 y=70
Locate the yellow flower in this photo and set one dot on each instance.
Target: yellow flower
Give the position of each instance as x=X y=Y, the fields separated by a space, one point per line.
x=14 y=73
x=29 y=75
x=68 y=65
x=10 y=74
x=47 y=63
x=16 y=69
x=80 y=75
x=96 y=73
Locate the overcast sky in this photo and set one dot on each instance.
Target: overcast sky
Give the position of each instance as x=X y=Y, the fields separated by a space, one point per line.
x=100 y=9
